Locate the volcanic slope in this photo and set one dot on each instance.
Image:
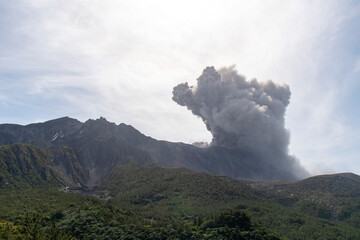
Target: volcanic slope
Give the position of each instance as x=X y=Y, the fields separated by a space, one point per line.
x=100 y=145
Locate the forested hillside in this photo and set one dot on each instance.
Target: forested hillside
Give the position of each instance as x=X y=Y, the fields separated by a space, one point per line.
x=99 y=180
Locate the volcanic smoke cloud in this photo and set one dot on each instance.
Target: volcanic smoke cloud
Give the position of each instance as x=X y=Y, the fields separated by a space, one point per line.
x=241 y=114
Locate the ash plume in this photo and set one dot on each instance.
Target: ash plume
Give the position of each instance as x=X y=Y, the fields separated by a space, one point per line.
x=242 y=114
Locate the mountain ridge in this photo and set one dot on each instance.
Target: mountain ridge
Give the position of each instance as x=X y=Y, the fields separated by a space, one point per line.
x=101 y=145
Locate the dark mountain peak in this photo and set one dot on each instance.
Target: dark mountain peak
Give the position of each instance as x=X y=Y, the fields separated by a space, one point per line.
x=63 y=121
x=131 y=134
x=102 y=119
x=99 y=145
x=129 y=128
x=99 y=122
x=98 y=128
x=39 y=134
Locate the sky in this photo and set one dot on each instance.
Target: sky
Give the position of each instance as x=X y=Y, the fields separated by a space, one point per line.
x=121 y=59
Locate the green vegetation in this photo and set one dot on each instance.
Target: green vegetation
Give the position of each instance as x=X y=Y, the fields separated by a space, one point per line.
x=50 y=214
x=23 y=166
x=332 y=197
x=172 y=192
x=181 y=194
x=168 y=203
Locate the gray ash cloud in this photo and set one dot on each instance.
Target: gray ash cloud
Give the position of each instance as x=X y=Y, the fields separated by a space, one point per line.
x=242 y=114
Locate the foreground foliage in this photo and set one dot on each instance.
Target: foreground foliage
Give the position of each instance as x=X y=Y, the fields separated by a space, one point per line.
x=181 y=194
x=162 y=203
x=55 y=215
